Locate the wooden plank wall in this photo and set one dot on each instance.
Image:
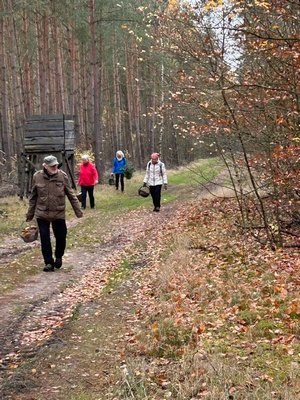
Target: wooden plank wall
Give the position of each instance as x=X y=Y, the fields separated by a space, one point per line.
x=49 y=133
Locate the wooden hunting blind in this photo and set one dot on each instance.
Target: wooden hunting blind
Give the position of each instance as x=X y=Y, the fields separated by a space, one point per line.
x=49 y=134
x=45 y=135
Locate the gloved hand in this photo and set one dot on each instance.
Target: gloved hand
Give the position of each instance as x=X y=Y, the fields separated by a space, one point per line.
x=165 y=186
x=111 y=174
x=144 y=184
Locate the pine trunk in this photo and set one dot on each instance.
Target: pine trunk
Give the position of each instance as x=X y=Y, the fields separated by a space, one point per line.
x=97 y=134
x=5 y=144
x=58 y=70
x=129 y=134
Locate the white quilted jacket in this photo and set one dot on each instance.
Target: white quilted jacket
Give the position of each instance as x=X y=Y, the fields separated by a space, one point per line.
x=155 y=174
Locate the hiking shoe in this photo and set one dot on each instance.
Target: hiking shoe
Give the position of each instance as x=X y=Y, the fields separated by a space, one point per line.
x=157 y=209
x=48 y=268
x=57 y=263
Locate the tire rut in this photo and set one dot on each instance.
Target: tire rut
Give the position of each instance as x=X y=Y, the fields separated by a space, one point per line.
x=32 y=312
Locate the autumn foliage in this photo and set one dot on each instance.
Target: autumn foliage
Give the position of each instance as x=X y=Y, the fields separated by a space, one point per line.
x=236 y=88
x=218 y=312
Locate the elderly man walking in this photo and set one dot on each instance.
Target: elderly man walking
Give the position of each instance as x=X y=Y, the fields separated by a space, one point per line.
x=47 y=204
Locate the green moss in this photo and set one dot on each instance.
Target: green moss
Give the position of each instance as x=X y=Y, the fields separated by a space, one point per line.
x=248 y=316
x=169 y=339
x=118 y=275
x=265 y=329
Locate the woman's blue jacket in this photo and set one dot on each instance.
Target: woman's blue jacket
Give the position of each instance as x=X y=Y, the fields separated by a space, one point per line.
x=119 y=165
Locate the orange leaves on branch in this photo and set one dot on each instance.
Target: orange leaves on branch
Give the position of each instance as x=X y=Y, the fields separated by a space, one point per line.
x=211 y=5
x=173 y=5
x=279 y=120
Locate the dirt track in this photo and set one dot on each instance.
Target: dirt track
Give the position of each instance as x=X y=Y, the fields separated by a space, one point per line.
x=42 y=298
x=36 y=309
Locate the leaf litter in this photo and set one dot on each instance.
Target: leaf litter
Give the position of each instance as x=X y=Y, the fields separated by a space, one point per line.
x=208 y=292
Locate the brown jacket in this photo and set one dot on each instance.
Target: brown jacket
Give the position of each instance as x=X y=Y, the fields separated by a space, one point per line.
x=48 y=194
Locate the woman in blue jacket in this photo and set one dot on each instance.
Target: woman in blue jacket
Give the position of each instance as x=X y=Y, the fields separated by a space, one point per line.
x=119 y=164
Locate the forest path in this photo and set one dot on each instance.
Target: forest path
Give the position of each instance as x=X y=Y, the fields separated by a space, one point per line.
x=32 y=313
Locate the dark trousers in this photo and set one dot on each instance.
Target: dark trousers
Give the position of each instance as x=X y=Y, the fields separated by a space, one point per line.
x=90 y=191
x=59 y=229
x=120 y=177
x=155 y=192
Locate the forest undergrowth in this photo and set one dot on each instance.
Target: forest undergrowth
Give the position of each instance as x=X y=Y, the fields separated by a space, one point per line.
x=184 y=305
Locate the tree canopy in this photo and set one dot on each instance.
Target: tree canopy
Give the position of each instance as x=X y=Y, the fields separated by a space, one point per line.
x=187 y=79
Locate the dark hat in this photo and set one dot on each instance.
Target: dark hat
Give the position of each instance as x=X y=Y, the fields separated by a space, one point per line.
x=50 y=161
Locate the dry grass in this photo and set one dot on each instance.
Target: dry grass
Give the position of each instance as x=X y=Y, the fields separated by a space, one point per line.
x=213 y=316
x=225 y=315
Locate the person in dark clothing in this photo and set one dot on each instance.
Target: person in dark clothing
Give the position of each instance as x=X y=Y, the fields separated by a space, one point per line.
x=119 y=164
x=47 y=204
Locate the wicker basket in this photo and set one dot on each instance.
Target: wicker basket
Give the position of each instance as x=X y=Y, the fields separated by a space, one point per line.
x=30 y=233
x=111 y=181
x=144 y=191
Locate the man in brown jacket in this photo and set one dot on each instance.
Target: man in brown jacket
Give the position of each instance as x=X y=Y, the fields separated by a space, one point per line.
x=47 y=204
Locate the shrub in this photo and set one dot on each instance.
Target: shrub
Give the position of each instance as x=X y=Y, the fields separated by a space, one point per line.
x=128 y=171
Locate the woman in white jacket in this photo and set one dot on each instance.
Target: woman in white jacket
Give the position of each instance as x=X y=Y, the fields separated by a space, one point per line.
x=155 y=177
